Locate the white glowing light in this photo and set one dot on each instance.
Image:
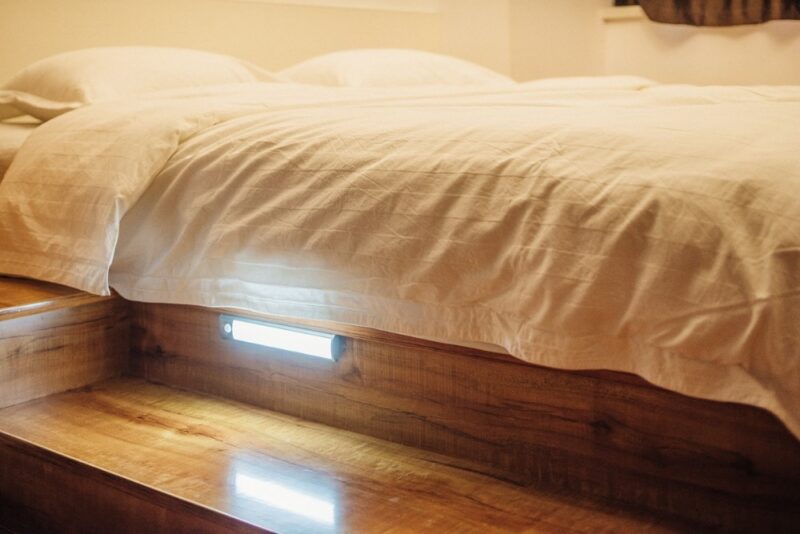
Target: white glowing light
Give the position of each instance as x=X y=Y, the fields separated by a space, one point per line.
x=320 y=344
x=279 y=496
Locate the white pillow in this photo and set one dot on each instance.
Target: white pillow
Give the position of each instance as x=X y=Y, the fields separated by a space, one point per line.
x=65 y=81
x=390 y=68
x=14 y=103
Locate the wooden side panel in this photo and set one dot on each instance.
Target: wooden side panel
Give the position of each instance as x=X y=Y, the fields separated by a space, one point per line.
x=41 y=491
x=606 y=434
x=62 y=348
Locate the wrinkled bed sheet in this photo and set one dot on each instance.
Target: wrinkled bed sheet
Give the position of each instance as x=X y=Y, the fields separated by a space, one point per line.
x=580 y=224
x=12 y=135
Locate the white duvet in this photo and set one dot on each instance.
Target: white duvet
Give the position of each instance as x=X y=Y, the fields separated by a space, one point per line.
x=593 y=224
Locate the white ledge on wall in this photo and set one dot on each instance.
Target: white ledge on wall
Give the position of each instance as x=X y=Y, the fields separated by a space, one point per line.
x=419 y=6
x=612 y=14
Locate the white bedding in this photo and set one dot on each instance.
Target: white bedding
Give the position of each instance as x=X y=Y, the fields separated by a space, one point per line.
x=612 y=224
x=12 y=135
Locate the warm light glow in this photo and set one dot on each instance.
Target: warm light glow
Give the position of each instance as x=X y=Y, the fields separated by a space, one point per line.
x=313 y=343
x=279 y=496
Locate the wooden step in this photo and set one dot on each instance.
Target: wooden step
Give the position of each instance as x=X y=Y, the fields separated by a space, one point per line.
x=130 y=456
x=20 y=296
x=54 y=338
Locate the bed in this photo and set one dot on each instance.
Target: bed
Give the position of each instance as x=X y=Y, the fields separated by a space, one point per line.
x=580 y=224
x=12 y=135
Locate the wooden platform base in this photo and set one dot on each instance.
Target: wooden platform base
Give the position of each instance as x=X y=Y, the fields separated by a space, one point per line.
x=156 y=459
x=606 y=434
x=149 y=457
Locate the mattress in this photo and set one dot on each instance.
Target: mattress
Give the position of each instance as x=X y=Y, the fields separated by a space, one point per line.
x=608 y=224
x=12 y=135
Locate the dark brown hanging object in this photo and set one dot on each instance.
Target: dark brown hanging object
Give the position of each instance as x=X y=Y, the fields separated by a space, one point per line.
x=720 y=12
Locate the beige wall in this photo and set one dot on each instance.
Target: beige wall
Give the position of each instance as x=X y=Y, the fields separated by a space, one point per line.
x=268 y=34
x=556 y=38
x=763 y=54
x=527 y=39
x=523 y=38
x=531 y=39
x=478 y=30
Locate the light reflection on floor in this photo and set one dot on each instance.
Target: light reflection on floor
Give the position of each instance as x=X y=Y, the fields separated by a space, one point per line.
x=284 y=497
x=280 y=496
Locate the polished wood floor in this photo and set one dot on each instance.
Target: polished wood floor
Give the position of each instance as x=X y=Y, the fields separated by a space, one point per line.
x=284 y=474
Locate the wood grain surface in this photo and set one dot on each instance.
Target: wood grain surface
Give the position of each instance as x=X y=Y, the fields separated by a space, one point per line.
x=599 y=433
x=603 y=434
x=277 y=472
x=63 y=340
x=20 y=296
x=42 y=491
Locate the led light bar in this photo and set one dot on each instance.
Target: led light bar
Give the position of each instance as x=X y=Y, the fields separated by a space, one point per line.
x=278 y=336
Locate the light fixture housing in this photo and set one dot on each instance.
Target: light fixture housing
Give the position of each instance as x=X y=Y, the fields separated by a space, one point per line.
x=282 y=337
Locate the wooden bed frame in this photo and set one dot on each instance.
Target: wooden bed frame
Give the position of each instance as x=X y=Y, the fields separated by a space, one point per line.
x=605 y=434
